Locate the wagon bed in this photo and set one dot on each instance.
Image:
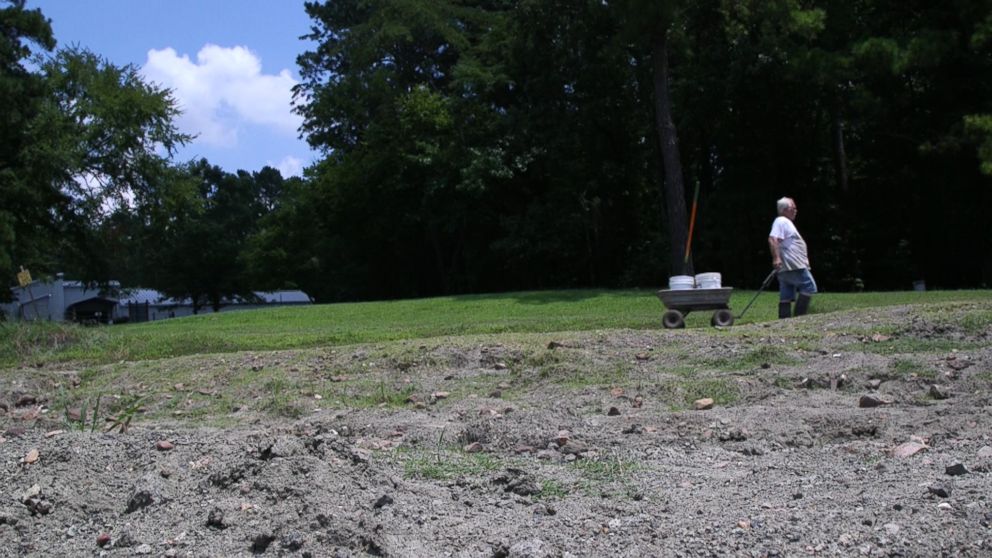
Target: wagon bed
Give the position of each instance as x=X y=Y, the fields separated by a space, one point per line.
x=682 y=301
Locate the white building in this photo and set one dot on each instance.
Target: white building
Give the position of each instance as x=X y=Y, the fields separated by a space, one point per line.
x=62 y=300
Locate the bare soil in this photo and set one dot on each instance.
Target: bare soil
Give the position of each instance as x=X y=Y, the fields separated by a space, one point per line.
x=827 y=437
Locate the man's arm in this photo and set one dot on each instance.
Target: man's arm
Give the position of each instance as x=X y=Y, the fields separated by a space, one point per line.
x=773 y=245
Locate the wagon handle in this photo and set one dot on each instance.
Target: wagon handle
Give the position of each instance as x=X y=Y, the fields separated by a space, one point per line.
x=764 y=284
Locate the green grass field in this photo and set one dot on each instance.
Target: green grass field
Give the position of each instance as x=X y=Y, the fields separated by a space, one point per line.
x=351 y=323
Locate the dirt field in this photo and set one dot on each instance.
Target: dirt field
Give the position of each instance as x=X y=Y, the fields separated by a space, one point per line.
x=847 y=434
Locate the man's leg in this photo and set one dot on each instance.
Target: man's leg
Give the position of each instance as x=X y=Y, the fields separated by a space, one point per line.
x=784 y=310
x=786 y=294
x=806 y=289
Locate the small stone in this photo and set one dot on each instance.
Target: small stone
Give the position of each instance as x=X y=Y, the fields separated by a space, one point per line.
x=613 y=412
x=944 y=506
x=440 y=395
x=31 y=457
x=102 y=539
x=144 y=549
x=940 y=491
x=956 y=470
x=938 y=392
x=474 y=447
x=703 y=404
x=574 y=448
x=563 y=437
x=164 y=445
x=868 y=401
x=908 y=449
x=874 y=383
x=959 y=364
x=891 y=528
x=500 y=366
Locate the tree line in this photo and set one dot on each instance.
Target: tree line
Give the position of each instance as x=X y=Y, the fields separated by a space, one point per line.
x=493 y=145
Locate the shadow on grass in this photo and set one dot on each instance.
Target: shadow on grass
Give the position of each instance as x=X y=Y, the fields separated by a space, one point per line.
x=553 y=297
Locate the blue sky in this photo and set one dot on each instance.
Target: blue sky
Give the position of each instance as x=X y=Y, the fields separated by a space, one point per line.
x=230 y=64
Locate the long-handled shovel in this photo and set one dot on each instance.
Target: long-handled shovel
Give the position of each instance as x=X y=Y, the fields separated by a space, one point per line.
x=764 y=284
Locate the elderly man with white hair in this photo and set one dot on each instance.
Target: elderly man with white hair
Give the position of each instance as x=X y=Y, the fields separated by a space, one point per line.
x=790 y=258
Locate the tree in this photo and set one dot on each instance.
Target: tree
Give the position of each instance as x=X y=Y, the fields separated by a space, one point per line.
x=22 y=208
x=200 y=228
x=81 y=138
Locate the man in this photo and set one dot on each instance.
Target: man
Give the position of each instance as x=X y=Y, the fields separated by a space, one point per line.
x=791 y=261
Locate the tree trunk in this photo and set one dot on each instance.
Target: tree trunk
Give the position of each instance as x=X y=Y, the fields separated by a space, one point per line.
x=674 y=186
x=840 y=155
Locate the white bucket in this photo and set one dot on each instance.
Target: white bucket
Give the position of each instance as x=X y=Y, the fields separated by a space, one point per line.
x=708 y=281
x=681 y=282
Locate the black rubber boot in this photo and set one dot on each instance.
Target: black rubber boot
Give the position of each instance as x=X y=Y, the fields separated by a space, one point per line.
x=784 y=310
x=802 y=304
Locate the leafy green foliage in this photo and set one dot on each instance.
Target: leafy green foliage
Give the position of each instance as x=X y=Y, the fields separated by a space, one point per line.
x=80 y=135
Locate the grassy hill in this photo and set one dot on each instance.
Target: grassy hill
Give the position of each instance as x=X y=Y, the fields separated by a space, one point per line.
x=367 y=322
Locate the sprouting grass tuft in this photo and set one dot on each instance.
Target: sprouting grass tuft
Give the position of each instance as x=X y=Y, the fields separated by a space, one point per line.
x=551 y=489
x=280 y=398
x=681 y=393
x=448 y=465
x=381 y=393
x=765 y=354
x=905 y=368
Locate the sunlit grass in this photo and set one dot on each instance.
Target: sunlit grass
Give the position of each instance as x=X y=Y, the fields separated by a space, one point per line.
x=369 y=322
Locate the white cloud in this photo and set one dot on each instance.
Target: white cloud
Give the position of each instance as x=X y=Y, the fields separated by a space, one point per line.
x=222 y=91
x=289 y=166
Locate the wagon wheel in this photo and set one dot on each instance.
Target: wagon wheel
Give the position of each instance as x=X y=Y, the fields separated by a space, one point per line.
x=722 y=318
x=673 y=319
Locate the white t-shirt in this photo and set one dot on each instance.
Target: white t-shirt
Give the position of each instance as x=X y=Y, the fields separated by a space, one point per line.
x=791 y=245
